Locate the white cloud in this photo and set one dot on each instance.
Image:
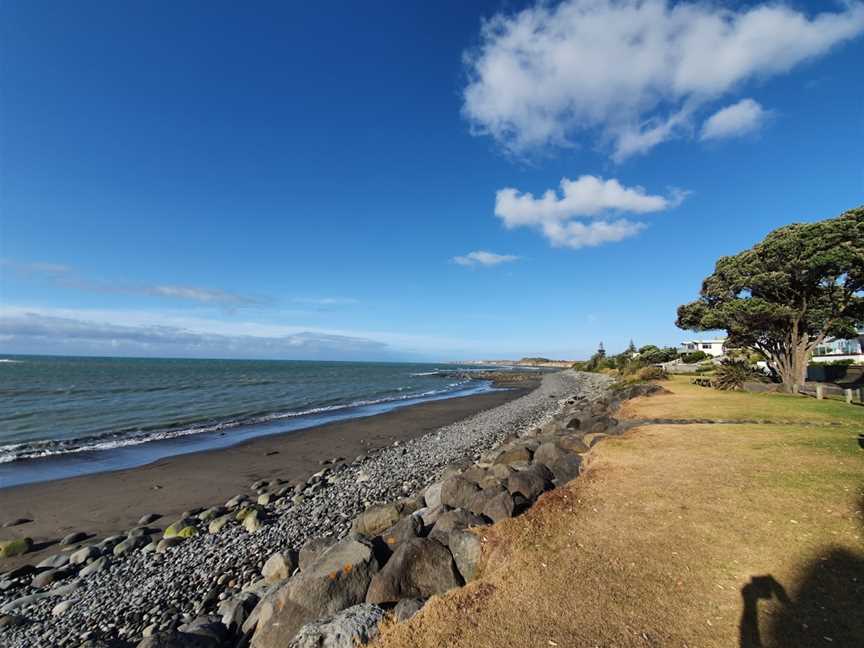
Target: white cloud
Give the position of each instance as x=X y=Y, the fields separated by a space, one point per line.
x=480 y=257
x=557 y=214
x=190 y=293
x=634 y=73
x=325 y=301
x=740 y=118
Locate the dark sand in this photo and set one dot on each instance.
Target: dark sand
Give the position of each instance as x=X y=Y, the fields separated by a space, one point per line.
x=110 y=503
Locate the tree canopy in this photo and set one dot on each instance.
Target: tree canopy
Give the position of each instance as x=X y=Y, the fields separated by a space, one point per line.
x=786 y=294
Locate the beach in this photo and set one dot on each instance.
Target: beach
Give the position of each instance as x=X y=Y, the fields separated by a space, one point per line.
x=108 y=503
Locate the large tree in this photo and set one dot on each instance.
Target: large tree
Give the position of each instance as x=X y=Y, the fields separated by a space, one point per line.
x=802 y=284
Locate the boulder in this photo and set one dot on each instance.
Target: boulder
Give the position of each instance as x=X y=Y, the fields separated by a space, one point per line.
x=455 y=519
x=376 y=519
x=481 y=499
x=514 y=455
x=252 y=523
x=178 y=640
x=47 y=577
x=474 y=474
x=566 y=468
x=235 y=610
x=466 y=549
x=84 y=554
x=419 y=568
x=11 y=621
x=207 y=515
x=548 y=452
x=593 y=438
x=504 y=505
x=501 y=471
x=338 y=579
x=528 y=483
x=16 y=547
x=456 y=492
x=572 y=443
x=279 y=566
x=574 y=423
x=312 y=550
x=407 y=608
x=355 y=626
x=428 y=516
x=411 y=526
x=73 y=538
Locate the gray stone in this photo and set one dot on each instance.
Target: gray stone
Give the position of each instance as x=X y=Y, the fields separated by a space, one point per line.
x=73 y=538
x=500 y=507
x=337 y=580
x=408 y=527
x=148 y=518
x=53 y=562
x=466 y=548
x=528 y=483
x=94 y=567
x=572 y=443
x=61 y=608
x=313 y=549
x=514 y=455
x=349 y=628
x=478 y=503
x=456 y=492
x=376 y=519
x=548 y=452
x=84 y=554
x=566 y=468
x=236 y=610
x=419 y=568
x=130 y=544
x=167 y=543
x=455 y=519
x=177 y=640
x=407 y=608
x=46 y=578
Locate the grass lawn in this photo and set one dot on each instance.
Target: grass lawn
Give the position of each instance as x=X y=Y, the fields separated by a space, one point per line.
x=680 y=535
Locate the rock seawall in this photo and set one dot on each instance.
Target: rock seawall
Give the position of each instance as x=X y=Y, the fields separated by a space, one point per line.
x=319 y=562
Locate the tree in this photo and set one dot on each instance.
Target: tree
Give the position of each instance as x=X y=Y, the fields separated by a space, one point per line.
x=631 y=349
x=804 y=282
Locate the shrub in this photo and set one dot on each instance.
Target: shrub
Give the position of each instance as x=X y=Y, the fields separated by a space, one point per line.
x=732 y=374
x=651 y=373
x=693 y=357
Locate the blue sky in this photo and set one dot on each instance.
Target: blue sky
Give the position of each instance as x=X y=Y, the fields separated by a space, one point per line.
x=291 y=181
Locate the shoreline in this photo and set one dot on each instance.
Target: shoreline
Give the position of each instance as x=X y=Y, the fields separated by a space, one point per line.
x=109 y=502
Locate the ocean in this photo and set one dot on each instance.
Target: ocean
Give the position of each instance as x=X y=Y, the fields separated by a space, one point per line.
x=65 y=416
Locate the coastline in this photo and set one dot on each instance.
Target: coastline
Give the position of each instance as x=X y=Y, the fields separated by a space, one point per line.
x=106 y=503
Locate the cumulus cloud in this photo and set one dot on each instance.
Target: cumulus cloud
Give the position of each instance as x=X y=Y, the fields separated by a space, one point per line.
x=633 y=73
x=29 y=331
x=738 y=119
x=483 y=258
x=561 y=216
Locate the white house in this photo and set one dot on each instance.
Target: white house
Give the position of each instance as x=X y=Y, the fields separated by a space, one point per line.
x=714 y=348
x=833 y=349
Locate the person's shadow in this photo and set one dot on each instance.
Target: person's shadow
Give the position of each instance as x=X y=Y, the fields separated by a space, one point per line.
x=826 y=609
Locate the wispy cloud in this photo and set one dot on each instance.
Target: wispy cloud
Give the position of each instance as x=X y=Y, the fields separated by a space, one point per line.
x=483 y=258
x=631 y=74
x=578 y=215
x=24 y=331
x=326 y=301
x=740 y=118
x=66 y=276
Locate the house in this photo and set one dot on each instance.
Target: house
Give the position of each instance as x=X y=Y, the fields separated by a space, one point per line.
x=834 y=349
x=713 y=348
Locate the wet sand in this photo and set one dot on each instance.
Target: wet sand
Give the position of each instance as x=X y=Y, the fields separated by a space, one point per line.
x=109 y=503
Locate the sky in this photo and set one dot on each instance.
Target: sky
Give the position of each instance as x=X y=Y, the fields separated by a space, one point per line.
x=405 y=180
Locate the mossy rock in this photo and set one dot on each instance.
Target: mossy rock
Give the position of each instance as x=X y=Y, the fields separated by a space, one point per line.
x=245 y=512
x=187 y=532
x=174 y=530
x=9 y=548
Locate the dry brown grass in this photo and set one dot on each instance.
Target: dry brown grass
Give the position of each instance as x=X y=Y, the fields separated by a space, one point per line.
x=656 y=544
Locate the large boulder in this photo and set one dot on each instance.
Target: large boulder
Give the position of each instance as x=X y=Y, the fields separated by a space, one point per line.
x=455 y=519
x=178 y=527
x=432 y=495
x=376 y=519
x=514 y=455
x=504 y=505
x=548 y=452
x=419 y=568
x=482 y=498
x=530 y=483
x=566 y=468
x=573 y=443
x=313 y=550
x=411 y=526
x=457 y=491
x=84 y=554
x=349 y=628
x=407 y=608
x=338 y=579
x=466 y=549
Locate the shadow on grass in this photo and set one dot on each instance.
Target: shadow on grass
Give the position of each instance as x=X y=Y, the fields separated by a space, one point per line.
x=823 y=610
